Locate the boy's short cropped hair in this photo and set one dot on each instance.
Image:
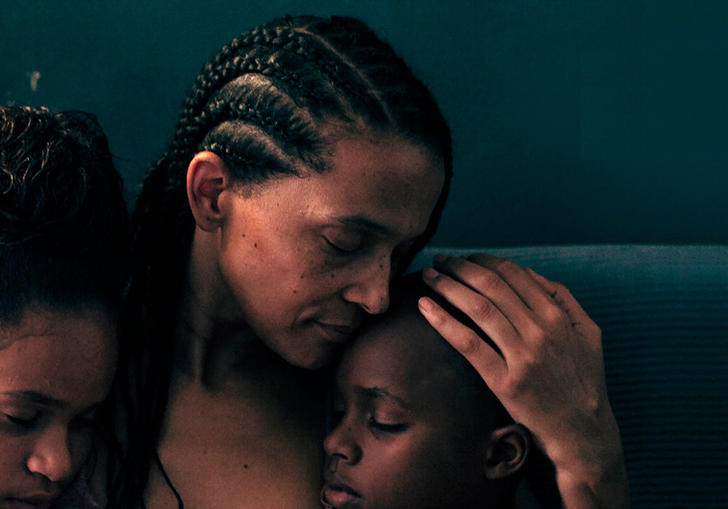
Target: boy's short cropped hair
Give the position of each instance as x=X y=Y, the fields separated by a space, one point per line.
x=405 y=294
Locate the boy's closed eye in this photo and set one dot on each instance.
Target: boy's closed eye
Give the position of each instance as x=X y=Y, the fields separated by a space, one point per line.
x=387 y=427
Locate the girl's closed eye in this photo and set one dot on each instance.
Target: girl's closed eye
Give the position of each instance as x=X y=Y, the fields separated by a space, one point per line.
x=21 y=420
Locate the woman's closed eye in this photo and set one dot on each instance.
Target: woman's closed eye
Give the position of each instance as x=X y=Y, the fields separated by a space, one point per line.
x=344 y=244
x=344 y=239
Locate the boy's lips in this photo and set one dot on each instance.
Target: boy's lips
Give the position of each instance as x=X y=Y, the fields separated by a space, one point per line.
x=337 y=495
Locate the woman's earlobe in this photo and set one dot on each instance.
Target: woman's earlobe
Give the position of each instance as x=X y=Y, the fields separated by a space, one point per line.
x=506 y=451
x=207 y=178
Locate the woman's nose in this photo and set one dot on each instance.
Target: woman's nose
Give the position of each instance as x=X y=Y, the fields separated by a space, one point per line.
x=340 y=445
x=371 y=288
x=51 y=456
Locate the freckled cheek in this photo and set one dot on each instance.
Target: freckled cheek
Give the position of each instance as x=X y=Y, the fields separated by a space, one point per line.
x=315 y=282
x=316 y=285
x=322 y=271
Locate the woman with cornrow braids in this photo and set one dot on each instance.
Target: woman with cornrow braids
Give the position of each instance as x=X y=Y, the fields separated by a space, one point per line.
x=308 y=167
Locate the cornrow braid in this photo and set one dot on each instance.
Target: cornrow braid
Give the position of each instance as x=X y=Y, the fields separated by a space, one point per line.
x=262 y=105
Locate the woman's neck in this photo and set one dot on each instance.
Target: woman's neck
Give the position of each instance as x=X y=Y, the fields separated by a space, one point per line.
x=214 y=342
x=212 y=336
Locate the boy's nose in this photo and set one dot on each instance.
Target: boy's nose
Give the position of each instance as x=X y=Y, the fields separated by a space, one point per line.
x=340 y=446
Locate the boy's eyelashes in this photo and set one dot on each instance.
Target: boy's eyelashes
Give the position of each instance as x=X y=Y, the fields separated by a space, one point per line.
x=387 y=427
x=376 y=424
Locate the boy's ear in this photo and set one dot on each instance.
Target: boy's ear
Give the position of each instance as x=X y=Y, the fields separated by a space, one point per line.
x=506 y=451
x=207 y=178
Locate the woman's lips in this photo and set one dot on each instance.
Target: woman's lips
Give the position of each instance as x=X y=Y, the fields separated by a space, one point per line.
x=335 y=495
x=335 y=332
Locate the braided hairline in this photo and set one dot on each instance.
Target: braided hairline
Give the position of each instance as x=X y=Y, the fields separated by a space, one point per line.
x=211 y=76
x=272 y=40
x=368 y=85
x=189 y=137
x=245 y=55
x=191 y=128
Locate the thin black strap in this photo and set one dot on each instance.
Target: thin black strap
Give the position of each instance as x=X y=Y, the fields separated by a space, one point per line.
x=180 y=504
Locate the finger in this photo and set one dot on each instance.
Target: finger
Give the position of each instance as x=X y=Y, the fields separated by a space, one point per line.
x=563 y=297
x=527 y=289
x=479 y=308
x=477 y=352
x=498 y=290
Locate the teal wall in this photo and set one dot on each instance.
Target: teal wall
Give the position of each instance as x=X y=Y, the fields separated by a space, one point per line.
x=574 y=121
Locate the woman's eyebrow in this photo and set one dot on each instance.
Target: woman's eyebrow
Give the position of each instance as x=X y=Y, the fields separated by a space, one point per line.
x=37 y=397
x=365 y=222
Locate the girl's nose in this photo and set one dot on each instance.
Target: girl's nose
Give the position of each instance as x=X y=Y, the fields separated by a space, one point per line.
x=51 y=456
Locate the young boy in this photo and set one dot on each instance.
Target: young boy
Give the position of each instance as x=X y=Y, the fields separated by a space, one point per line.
x=417 y=427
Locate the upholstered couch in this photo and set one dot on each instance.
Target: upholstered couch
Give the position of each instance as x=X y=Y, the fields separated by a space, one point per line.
x=663 y=311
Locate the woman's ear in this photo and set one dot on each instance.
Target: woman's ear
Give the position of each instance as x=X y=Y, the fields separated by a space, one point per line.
x=207 y=178
x=506 y=451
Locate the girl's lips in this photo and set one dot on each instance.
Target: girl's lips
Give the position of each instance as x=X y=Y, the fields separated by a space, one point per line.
x=338 y=496
x=36 y=502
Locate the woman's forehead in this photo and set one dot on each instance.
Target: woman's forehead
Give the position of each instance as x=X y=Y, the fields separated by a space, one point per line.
x=385 y=180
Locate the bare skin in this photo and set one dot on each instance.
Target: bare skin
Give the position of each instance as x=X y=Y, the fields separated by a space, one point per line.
x=223 y=447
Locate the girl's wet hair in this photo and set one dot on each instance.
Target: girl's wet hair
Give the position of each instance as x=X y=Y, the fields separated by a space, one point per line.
x=63 y=221
x=263 y=104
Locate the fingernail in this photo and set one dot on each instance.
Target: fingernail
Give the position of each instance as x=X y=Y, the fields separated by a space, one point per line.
x=429 y=274
x=425 y=304
x=440 y=258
